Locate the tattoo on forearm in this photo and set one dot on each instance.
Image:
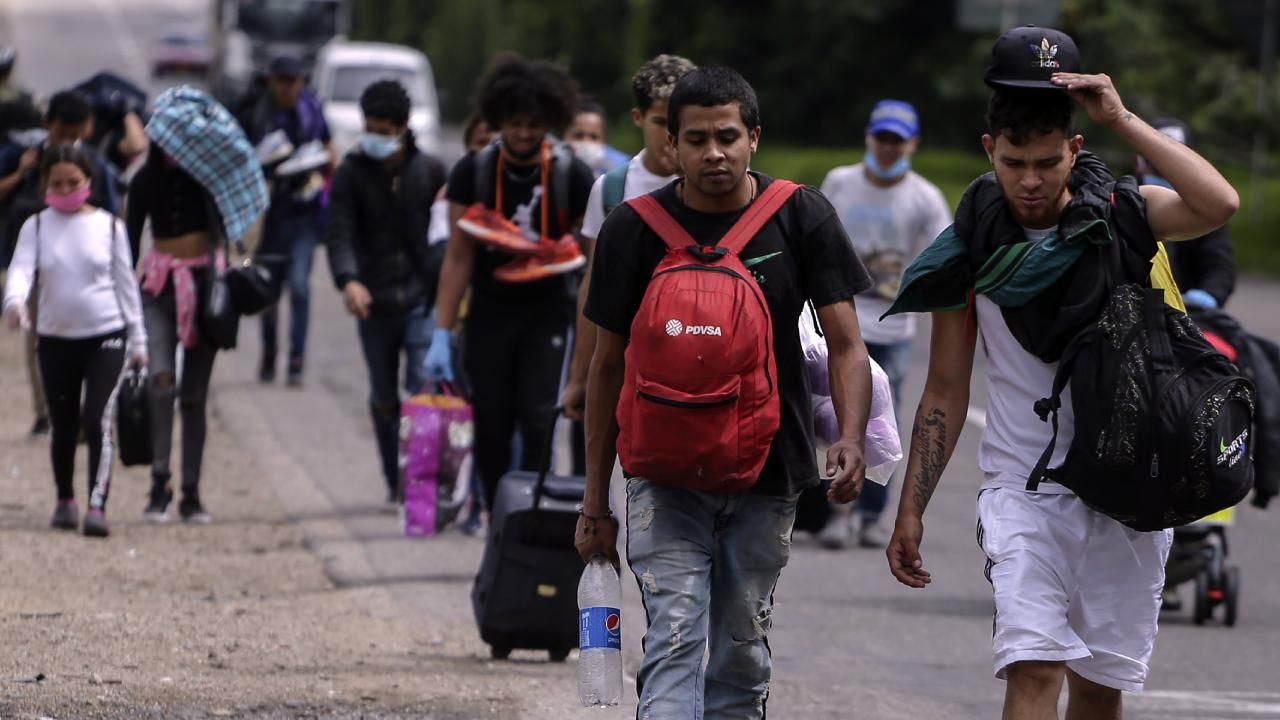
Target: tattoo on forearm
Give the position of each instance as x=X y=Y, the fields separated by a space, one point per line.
x=1127 y=116
x=930 y=438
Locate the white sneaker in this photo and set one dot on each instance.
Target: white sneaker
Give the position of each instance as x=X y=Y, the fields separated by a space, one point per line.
x=835 y=534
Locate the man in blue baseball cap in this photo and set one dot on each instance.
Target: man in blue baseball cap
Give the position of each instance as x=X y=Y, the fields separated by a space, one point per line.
x=890 y=214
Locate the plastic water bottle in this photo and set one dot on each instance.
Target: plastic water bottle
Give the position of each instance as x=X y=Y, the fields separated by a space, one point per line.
x=599 y=635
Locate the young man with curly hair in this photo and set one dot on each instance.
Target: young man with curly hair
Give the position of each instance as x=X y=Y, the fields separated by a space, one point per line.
x=513 y=207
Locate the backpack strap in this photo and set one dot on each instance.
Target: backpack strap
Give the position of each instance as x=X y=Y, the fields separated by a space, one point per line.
x=757 y=214
x=1047 y=408
x=485 y=163
x=561 y=166
x=661 y=222
x=746 y=228
x=615 y=187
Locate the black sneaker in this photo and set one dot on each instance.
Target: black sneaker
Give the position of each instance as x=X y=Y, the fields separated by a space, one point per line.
x=294 y=379
x=95 y=523
x=193 y=512
x=41 y=426
x=267 y=369
x=157 y=511
x=65 y=516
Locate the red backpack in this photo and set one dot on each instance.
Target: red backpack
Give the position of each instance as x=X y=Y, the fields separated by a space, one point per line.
x=699 y=405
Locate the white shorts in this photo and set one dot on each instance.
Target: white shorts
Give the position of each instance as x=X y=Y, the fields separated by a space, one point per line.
x=1071 y=585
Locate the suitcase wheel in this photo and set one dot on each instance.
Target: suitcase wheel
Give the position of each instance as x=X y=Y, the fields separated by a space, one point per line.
x=499 y=652
x=559 y=655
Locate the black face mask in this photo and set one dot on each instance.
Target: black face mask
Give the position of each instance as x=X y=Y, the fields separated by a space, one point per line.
x=521 y=157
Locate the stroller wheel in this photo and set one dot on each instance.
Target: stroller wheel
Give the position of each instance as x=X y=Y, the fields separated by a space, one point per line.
x=1203 y=608
x=1232 y=590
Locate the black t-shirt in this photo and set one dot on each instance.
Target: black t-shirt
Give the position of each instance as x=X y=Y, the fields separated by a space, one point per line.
x=801 y=254
x=522 y=198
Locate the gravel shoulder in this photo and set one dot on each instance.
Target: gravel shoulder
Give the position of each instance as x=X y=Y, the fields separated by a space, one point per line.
x=237 y=619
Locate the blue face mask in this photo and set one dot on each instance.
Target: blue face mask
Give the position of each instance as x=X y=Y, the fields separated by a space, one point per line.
x=380 y=147
x=893 y=172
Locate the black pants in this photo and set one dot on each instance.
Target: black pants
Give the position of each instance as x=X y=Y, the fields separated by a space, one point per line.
x=161 y=316
x=513 y=358
x=71 y=368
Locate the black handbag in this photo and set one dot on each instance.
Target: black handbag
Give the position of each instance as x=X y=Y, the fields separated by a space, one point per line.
x=219 y=318
x=133 y=419
x=253 y=285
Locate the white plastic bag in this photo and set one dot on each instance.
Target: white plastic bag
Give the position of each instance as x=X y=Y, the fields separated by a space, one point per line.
x=882 y=450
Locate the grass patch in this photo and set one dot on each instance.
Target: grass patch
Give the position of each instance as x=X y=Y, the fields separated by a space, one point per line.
x=950 y=170
x=1254 y=229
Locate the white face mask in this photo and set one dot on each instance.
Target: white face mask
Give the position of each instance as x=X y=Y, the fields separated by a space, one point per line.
x=588 y=151
x=378 y=146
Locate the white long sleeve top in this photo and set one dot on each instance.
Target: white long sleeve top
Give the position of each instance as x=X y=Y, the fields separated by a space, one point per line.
x=87 y=286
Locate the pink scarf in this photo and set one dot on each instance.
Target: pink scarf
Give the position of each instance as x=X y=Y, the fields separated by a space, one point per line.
x=158 y=267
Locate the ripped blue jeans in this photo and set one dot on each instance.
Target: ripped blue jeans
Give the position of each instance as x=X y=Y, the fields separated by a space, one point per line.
x=707 y=564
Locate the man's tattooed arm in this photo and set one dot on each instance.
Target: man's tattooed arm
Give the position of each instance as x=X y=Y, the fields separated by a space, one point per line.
x=929 y=436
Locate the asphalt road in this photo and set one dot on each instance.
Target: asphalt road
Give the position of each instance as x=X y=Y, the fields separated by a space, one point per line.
x=848 y=641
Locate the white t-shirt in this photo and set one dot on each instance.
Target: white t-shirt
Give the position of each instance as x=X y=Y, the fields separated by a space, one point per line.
x=1015 y=437
x=889 y=227
x=87 y=286
x=639 y=182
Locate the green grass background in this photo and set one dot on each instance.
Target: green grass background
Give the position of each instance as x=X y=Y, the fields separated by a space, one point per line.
x=1254 y=229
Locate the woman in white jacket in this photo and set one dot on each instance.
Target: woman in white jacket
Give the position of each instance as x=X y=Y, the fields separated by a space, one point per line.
x=89 y=319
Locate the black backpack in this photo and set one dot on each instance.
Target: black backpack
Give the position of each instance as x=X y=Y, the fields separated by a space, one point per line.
x=1163 y=421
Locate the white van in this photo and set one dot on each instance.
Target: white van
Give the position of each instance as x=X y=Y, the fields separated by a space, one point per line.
x=344 y=69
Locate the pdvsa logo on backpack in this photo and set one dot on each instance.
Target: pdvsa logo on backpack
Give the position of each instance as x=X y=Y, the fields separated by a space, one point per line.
x=1231 y=454
x=675 y=328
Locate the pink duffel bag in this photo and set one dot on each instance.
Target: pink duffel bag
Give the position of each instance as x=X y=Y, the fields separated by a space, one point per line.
x=436 y=436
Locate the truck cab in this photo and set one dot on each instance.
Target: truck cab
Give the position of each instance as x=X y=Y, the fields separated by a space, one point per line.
x=247 y=34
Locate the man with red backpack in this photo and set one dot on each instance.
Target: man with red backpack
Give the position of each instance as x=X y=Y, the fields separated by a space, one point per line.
x=698 y=380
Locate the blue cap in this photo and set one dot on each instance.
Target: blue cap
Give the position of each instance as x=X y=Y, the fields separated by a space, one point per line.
x=894 y=116
x=288 y=66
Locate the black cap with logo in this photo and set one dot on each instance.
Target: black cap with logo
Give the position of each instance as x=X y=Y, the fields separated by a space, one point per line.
x=1026 y=57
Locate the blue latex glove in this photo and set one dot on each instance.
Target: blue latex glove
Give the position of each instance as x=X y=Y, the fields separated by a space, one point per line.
x=439 y=362
x=1199 y=298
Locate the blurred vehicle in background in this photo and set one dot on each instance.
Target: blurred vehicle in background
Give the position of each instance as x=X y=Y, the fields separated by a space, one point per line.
x=344 y=69
x=247 y=34
x=181 y=50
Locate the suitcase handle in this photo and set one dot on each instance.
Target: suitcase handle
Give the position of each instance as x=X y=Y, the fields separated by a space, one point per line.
x=544 y=464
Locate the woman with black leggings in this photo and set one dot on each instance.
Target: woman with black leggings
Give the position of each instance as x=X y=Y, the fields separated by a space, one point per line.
x=89 y=320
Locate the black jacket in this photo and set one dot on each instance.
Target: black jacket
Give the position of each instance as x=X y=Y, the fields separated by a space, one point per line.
x=1206 y=263
x=377 y=230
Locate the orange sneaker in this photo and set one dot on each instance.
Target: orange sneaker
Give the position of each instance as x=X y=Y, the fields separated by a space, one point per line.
x=555 y=257
x=491 y=228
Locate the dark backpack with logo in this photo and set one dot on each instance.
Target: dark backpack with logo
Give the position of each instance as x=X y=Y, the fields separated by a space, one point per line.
x=1163 y=421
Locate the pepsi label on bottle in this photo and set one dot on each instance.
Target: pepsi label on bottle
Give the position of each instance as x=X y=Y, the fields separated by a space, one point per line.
x=600 y=627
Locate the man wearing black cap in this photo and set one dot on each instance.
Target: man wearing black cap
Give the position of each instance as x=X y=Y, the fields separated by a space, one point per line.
x=1076 y=592
x=293 y=225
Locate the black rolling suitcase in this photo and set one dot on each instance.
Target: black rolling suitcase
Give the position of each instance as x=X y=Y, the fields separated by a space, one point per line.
x=526 y=593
